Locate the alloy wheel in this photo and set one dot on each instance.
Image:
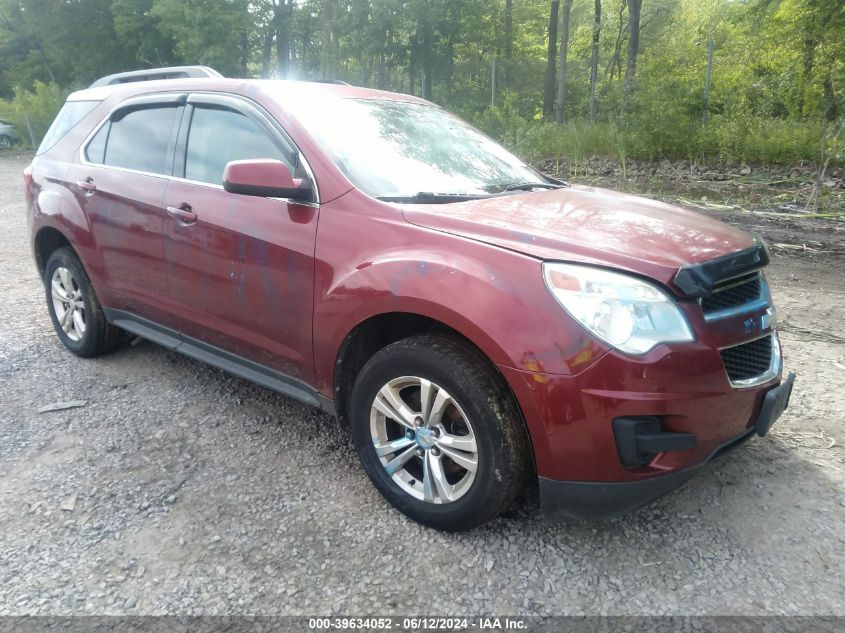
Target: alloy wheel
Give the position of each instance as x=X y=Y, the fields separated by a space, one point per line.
x=424 y=440
x=68 y=303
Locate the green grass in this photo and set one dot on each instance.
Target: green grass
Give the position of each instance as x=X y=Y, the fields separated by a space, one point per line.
x=722 y=141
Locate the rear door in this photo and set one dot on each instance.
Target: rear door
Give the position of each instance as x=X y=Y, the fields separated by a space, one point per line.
x=240 y=268
x=120 y=183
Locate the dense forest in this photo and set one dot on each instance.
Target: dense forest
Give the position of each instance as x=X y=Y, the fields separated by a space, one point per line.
x=722 y=80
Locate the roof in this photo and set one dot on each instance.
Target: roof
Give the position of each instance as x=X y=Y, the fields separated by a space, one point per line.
x=279 y=90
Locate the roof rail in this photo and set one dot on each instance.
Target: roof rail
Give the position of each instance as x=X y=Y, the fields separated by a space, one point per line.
x=151 y=74
x=336 y=82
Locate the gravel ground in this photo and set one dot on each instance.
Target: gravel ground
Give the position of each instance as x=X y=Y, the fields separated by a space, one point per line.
x=178 y=489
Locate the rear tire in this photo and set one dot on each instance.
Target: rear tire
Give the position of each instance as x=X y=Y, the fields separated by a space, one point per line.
x=438 y=432
x=5 y=141
x=74 y=309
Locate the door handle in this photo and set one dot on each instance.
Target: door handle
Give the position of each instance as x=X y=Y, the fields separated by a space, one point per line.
x=183 y=213
x=87 y=186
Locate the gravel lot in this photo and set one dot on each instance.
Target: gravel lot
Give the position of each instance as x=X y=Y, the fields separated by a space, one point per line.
x=178 y=489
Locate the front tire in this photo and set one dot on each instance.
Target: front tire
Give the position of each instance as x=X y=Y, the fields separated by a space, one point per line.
x=438 y=432
x=75 y=311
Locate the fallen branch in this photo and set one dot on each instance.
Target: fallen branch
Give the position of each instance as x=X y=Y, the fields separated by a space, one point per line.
x=828 y=337
x=61 y=406
x=799 y=247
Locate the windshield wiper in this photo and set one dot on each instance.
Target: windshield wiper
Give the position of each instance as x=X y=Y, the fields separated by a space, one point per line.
x=528 y=186
x=431 y=197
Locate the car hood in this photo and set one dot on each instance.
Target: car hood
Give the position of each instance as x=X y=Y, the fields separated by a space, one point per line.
x=590 y=225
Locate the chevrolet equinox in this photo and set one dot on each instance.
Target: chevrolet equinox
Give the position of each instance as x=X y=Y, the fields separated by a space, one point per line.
x=474 y=322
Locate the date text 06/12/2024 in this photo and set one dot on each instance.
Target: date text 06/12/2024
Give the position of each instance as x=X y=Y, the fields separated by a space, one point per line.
x=417 y=624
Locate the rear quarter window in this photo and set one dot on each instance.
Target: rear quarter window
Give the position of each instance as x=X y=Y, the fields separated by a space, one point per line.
x=72 y=112
x=140 y=139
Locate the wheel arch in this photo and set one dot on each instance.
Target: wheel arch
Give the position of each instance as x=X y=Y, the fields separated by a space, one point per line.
x=47 y=241
x=379 y=330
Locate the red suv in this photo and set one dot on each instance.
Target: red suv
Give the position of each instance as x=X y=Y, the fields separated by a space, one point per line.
x=474 y=321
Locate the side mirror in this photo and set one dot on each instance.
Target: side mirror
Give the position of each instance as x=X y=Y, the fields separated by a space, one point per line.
x=268 y=178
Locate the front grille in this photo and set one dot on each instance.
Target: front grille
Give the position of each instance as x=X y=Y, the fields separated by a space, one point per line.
x=737 y=293
x=748 y=360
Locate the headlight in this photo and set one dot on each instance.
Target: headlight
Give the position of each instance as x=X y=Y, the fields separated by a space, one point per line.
x=630 y=314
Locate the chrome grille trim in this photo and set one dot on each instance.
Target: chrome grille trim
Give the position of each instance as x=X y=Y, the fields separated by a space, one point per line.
x=775 y=364
x=763 y=299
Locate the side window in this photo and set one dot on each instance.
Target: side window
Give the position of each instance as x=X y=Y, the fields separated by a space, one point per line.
x=218 y=136
x=95 y=152
x=140 y=139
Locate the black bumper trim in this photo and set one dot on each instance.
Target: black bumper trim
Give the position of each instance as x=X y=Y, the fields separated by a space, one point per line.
x=640 y=438
x=600 y=500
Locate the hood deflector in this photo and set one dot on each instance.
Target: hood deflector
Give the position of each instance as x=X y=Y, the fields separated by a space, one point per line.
x=699 y=280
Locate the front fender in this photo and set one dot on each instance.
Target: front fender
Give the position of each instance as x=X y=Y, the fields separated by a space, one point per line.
x=494 y=297
x=425 y=284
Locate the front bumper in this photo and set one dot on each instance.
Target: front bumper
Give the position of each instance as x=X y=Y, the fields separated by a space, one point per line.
x=598 y=500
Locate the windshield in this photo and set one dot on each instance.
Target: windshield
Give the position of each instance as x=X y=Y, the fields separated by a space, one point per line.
x=397 y=149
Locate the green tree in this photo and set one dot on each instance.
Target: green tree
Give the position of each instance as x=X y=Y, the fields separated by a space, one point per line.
x=141 y=33
x=208 y=32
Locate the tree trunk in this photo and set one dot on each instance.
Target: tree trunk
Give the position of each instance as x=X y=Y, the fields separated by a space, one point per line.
x=306 y=44
x=412 y=67
x=454 y=33
x=266 y=54
x=326 y=41
x=46 y=65
x=508 y=40
x=244 y=53
x=809 y=57
x=617 y=47
x=493 y=84
x=564 y=49
x=704 y=111
x=426 y=39
x=634 y=10
x=551 y=61
x=594 y=60
x=289 y=15
x=282 y=40
x=809 y=62
x=831 y=112
x=427 y=81
x=381 y=81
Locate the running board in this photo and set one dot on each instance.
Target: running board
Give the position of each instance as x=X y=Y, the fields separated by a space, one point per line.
x=216 y=357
